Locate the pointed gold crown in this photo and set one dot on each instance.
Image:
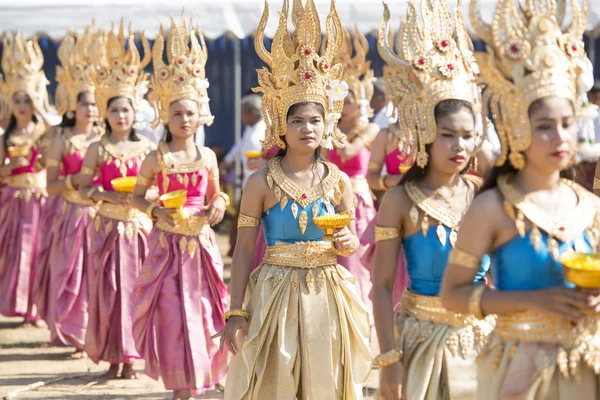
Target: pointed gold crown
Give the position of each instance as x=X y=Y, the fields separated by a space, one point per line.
x=529 y=57
x=121 y=71
x=434 y=63
x=298 y=73
x=22 y=62
x=79 y=56
x=185 y=76
x=359 y=75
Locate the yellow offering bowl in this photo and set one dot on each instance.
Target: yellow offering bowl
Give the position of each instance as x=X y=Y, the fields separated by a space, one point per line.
x=15 y=151
x=404 y=170
x=329 y=223
x=125 y=184
x=175 y=200
x=582 y=269
x=252 y=154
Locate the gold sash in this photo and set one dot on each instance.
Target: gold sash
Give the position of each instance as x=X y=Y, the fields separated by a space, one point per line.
x=191 y=226
x=430 y=308
x=74 y=197
x=121 y=212
x=28 y=181
x=301 y=255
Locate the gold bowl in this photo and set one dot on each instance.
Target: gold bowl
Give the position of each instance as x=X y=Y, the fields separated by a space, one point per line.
x=174 y=199
x=16 y=151
x=329 y=223
x=253 y=154
x=125 y=184
x=582 y=269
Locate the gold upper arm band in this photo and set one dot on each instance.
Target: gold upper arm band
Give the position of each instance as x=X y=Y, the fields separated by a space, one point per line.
x=351 y=212
x=52 y=163
x=213 y=176
x=596 y=183
x=142 y=180
x=386 y=233
x=87 y=171
x=463 y=259
x=245 y=221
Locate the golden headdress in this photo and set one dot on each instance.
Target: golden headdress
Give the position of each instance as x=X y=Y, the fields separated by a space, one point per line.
x=435 y=62
x=358 y=67
x=529 y=57
x=22 y=62
x=185 y=76
x=298 y=73
x=121 y=71
x=79 y=56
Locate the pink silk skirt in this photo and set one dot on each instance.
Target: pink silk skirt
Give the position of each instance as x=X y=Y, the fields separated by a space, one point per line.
x=118 y=250
x=20 y=213
x=180 y=302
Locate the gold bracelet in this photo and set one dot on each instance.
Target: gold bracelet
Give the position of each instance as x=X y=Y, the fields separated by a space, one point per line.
x=386 y=233
x=50 y=163
x=87 y=171
x=236 y=312
x=463 y=259
x=374 y=167
x=475 y=301
x=349 y=251
x=93 y=191
x=596 y=183
x=150 y=209
x=142 y=180
x=69 y=182
x=350 y=212
x=224 y=196
x=246 y=221
x=215 y=176
x=388 y=358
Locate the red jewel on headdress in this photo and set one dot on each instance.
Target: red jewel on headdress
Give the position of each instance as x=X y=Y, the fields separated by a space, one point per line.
x=307 y=52
x=163 y=73
x=179 y=62
x=574 y=48
x=132 y=71
x=307 y=75
x=421 y=61
x=116 y=62
x=514 y=48
x=444 y=43
x=181 y=79
x=118 y=78
x=562 y=228
x=450 y=67
x=325 y=66
x=304 y=196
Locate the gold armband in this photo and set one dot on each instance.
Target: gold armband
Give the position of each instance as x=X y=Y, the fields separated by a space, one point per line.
x=213 y=176
x=374 y=167
x=87 y=171
x=245 y=221
x=50 y=163
x=596 y=183
x=463 y=259
x=351 y=212
x=150 y=209
x=142 y=180
x=388 y=358
x=69 y=182
x=386 y=233
x=236 y=312
x=475 y=301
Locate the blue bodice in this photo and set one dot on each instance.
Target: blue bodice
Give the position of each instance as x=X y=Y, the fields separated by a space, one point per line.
x=516 y=265
x=426 y=260
x=281 y=226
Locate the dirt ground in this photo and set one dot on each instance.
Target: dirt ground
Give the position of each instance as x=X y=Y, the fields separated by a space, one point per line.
x=26 y=360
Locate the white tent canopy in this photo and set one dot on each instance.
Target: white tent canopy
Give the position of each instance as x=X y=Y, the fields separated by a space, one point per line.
x=236 y=17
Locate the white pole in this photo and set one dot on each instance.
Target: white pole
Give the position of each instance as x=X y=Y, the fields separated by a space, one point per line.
x=237 y=102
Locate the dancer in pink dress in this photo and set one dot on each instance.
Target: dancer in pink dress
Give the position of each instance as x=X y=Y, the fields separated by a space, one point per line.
x=353 y=158
x=119 y=236
x=23 y=198
x=67 y=261
x=180 y=293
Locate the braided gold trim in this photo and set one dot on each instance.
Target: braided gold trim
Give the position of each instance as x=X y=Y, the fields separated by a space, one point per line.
x=463 y=259
x=246 y=221
x=386 y=233
x=237 y=313
x=475 y=301
x=388 y=358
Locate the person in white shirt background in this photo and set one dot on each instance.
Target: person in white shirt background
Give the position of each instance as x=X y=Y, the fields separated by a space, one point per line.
x=252 y=136
x=382 y=107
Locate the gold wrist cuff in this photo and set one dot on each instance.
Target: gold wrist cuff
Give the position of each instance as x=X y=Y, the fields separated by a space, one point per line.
x=386 y=233
x=475 y=301
x=245 y=221
x=149 y=211
x=222 y=195
x=388 y=358
x=87 y=171
x=463 y=259
x=50 y=163
x=596 y=183
x=69 y=182
x=236 y=312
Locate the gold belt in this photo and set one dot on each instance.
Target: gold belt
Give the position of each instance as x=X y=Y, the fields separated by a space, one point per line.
x=121 y=212
x=301 y=255
x=73 y=196
x=28 y=181
x=190 y=226
x=430 y=308
x=532 y=327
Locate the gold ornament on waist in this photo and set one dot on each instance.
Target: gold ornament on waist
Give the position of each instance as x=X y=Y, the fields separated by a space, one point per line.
x=434 y=63
x=386 y=233
x=121 y=212
x=185 y=75
x=298 y=73
x=245 y=221
x=430 y=308
x=74 y=197
x=191 y=226
x=530 y=56
x=28 y=181
x=301 y=255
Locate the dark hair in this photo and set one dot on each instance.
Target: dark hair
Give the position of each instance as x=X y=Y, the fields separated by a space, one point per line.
x=293 y=108
x=12 y=124
x=167 y=134
x=442 y=109
x=70 y=122
x=132 y=135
